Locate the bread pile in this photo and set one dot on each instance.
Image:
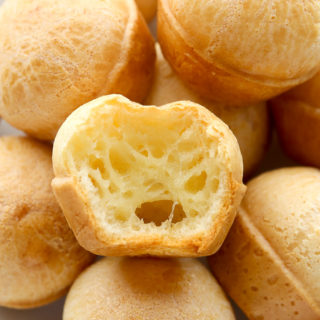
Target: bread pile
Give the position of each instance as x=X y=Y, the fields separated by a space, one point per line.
x=144 y=150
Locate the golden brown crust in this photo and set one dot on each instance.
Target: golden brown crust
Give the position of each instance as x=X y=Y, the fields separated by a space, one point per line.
x=76 y=200
x=297 y=118
x=249 y=124
x=255 y=277
x=40 y=257
x=267 y=264
x=230 y=84
x=162 y=289
x=31 y=304
x=138 y=63
x=56 y=58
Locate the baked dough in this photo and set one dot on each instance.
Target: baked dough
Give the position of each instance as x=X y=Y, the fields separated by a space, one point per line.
x=270 y=261
x=241 y=52
x=249 y=124
x=40 y=257
x=135 y=180
x=144 y=289
x=57 y=55
x=297 y=119
x=148 y=8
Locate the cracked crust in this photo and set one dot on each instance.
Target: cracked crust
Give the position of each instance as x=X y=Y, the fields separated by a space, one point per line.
x=270 y=260
x=60 y=55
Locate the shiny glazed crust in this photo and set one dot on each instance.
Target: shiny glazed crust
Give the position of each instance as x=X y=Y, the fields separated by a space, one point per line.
x=59 y=55
x=101 y=203
x=223 y=70
x=297 y=118
x=40 y=258
x=162 y=289
x=249 y=124
x=270 y=260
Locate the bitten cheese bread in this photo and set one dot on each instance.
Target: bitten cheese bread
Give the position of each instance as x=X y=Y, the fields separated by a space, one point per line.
x=57 y=55
x=297 y=118
x=136 y=180
x=241 y=52
x=249 y=124
x=144 y=289
x=270 y=261
x=40 y=257
x=148 y=8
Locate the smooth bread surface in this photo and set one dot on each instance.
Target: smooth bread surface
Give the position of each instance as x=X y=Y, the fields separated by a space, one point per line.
x=297 y=119
x=40 y=257
x=270 y=261
x=144 y=289
x=241 y=52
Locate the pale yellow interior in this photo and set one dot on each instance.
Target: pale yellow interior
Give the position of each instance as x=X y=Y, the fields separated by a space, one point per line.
x=148 y=169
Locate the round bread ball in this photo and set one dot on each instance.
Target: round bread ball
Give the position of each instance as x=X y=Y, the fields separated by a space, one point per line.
x=57 y=55
x=144 y=289
x=40 y=257
x=270 y=261
x=144 y=180
x=297 y=118
x=240 y=52
x=148 y=8
x=250 y=124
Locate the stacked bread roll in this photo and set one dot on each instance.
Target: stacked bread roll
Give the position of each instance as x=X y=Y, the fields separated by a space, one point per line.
x=59 y=55
x=150 y=145
x=297 y=119
x=40 y=258
x=270 y=262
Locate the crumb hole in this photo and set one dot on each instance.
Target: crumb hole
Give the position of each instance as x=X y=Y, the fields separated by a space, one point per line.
x=145 y=153
x=113 y=188
x=96 y=185
x=196 y=183
x=215 y=185
x=193 y=213
x=142 y=150
x=121 y=216
x=157 y=150
x=98 y=164
x=187 y=146
x=194 y=162
x=128 y=194
x=156 y=187
x=119 y=159
x=160 y=211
